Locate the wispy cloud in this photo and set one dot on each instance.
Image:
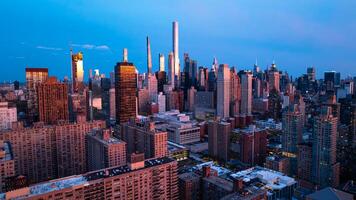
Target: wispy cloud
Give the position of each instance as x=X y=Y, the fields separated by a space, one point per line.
x=49 y=48
x=92 y=46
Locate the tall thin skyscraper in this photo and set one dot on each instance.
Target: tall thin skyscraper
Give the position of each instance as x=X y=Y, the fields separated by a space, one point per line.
x=149 y=58
x=176 y=52
x=246 y=92
x=171 y=68
x=223 y=91
x=161 y=62
x=125 y=90
x=77 y=71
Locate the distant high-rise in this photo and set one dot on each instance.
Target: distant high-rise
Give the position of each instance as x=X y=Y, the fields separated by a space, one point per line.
x=223 y=91
x=325 y=167
x=161 y=62
x=235 y=93
x=77 y=71
x=149 y=58
x=273 y=78
x=34 y=76
x=311 y=73
x=331 y=80
x=176 y=52
x=52 y=101
x=246 y=92
x=171 y=69
x=125 y=90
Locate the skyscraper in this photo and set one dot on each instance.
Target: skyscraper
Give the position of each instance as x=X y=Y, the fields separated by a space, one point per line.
x=235 y=93
x=253 y=145
x=325 y=170
x=171 y=69
x=219 y=139
x=292 y=124
x=34 y=76
x=52 y=101
x=77 y=71
x=273 y=78
x=125 y=90
x=246 y=92
x=149 y=58
x=176 y=53
x=161 y=62
x=223 y=91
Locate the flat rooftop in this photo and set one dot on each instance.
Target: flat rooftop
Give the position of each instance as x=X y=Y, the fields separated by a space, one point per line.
x=220 y=170
x=71 y=181
x=271 y=179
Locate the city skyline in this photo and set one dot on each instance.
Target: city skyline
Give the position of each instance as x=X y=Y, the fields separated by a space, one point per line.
x=321 y=38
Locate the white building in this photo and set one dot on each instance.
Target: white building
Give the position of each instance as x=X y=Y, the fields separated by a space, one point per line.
x=180 y=128
x=7 y=115
x=161 y=102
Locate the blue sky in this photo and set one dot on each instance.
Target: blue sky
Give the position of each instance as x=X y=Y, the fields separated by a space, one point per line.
x=296 y=34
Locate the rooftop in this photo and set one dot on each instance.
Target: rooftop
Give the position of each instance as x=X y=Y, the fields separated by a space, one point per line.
x=271 y=179
x=220 y=170
x=77 y=180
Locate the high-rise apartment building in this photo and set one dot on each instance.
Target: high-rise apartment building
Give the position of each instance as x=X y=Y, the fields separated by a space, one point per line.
x=152 y=87
x=246 y=92
x=223 y=91
x=253 y=145
x=77 y=71
x=141 y=136
x=47 y=152
x=292 y=125
x=304 y=161
x=52 y=101
x=70 y=146
x=7 y=164
x=34 y=76
x=112 y=103
x=33 y=150
x=8 y=115
x=325 y=167
x=125 y=90
x=103 y=150
x=219 y=139
x=235 y=93
x=149 y=179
